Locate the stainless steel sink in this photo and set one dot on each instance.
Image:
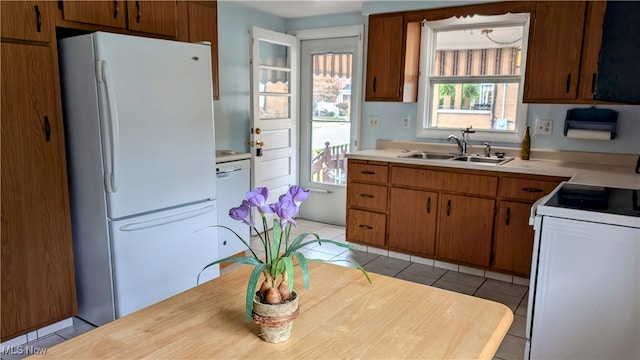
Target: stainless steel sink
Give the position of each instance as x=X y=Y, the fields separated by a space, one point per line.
x=485 y=160
x=428 y=156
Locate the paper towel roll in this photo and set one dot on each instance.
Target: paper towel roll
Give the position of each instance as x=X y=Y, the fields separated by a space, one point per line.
x=588 y=134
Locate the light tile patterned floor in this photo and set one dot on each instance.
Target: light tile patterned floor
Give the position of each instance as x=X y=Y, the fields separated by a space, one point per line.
x=513 y=295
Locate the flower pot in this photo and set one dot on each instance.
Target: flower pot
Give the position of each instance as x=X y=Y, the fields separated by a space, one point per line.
x=275 y=321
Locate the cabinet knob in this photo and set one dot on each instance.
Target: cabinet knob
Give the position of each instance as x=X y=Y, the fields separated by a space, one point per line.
x=568 y=83
x=531 y=189
x=139 y=13
x=429 y=205
x=508 y=216
x=366 y=227
x=448 y=207
x=116 y=9
x=47 y=129
x=366 y=196
x=38 y=18
x=365 y=172
x=374 y=83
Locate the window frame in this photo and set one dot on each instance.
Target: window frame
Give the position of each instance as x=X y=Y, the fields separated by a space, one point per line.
x=426 y=82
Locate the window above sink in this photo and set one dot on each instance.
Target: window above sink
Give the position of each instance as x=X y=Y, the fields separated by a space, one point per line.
x=473 y=74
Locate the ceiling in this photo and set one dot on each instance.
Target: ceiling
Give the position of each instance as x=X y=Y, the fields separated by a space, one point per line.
x=304 y=8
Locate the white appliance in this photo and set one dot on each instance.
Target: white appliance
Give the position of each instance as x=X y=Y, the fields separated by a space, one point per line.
x=140 y=143
x=233 y=183
x=584 y=300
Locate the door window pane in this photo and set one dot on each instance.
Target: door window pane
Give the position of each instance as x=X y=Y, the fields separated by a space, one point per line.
x=331 y=117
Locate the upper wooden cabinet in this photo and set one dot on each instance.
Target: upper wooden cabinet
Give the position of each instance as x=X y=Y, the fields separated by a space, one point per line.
x=153 y=17
x=385 y=57
x=203 y=26
x=26 y=20
x=104 y=13
x=554 y=51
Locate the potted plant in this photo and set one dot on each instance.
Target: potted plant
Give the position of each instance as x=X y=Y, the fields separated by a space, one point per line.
x=275 y=304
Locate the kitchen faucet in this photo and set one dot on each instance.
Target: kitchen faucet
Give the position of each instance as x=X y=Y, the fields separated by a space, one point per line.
x=462 y=145
x=487 y=149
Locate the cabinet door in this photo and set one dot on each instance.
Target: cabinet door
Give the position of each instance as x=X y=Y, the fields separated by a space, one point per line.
x=465 y=229
x=554 y=50
x=412 y=221
x=26 y=20
x=385 y=58
x=104 y=13
x=514 y=238
x=203 y=26
x=591 y=49
x=153 y=17
x=38 y=286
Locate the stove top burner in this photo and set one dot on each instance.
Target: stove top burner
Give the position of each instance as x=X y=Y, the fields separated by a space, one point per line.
x=597 y=199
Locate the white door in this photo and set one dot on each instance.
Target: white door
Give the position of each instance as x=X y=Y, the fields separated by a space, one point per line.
x=274 y=112
x=330 y=79
x=159 y=255
x=156 y=108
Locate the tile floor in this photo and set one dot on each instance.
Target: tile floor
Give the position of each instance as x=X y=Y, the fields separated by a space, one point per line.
x=512 y=295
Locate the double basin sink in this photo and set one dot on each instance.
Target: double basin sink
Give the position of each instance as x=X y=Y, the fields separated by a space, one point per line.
x=493 y=160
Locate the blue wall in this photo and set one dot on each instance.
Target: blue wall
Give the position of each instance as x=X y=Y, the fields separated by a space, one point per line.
x=232 y=111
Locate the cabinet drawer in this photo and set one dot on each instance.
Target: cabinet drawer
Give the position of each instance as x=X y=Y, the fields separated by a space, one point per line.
x=368 y=172
x=525 y=189
x=470 y=184
x=425 y=179
x=366 y=227
x=367 y=196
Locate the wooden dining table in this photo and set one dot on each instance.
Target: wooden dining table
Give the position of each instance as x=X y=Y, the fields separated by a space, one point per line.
x=341 y=316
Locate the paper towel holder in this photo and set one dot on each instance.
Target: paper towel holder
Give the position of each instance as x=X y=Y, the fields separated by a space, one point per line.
x=592 y=119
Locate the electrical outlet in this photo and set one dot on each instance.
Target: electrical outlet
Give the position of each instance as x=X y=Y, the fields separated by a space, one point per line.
x=374 y=121
x=543 y=127
x=406 y=122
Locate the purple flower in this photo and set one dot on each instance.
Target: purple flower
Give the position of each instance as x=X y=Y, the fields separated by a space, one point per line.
x=286 y=209
x=298 y=194
x=242 y=213
x=258 y=198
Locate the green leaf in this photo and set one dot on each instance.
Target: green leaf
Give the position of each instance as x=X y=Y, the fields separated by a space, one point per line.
x=304 y=268
x=348 y=261
x=296 y=243
x=277 y=239
x=247 y=260
x=321 y=241
x=288 y=267
x=251 y=289
x=239 y=237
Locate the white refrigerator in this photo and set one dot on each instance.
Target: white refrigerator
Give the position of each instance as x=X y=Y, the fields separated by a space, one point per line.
x=138 y=117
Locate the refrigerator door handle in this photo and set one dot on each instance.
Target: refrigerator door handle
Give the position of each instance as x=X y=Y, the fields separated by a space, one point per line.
x=167 y=219
x=111 y=174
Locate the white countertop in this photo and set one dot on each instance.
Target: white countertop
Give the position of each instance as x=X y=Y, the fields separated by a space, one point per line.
x=620 y=176
x=230 y=155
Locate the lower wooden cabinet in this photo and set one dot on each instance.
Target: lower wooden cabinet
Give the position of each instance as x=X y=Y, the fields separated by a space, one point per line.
x=38 y=285
x=514 y=238
x=472 y=217
x=412 y=221
x=465 y=229
x=366 y=227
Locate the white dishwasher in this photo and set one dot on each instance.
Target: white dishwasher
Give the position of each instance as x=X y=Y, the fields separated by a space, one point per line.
x=233 y=184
